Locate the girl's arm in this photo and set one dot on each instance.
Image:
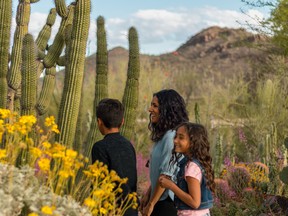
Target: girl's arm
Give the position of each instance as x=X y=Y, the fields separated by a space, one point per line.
x=193 y=198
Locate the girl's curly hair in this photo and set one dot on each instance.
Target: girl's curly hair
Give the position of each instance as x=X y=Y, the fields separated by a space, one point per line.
x=199 y=149
x=172 y=111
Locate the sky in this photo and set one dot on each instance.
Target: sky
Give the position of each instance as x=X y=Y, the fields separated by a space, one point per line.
x=162 y=25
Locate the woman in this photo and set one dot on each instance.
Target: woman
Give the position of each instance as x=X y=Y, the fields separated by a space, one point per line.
x=167 y=110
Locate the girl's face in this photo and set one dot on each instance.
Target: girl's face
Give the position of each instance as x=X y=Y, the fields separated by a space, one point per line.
x=154 y=110
x=181 y=141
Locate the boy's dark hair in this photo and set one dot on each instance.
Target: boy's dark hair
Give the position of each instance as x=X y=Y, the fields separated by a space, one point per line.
x=111 y=112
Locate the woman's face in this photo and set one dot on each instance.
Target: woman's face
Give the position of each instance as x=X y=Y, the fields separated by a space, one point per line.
x=154 y=110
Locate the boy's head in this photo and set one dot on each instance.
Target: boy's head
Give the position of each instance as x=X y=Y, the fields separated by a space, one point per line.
x=110 y=112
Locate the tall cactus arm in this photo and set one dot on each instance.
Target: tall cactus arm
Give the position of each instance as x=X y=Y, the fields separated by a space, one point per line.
x=29 y=76
x=78 y=138
x=131 y=93
x=101 y=83
x=70 y=101
x=17 y=103
x=5 y=27
x=61 y=61
x=61 y=8
x=22 y=21
x=47 y=91
x=45 y=33
x=56 y=48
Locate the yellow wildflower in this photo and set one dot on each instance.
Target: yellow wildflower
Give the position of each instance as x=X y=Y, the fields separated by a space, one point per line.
x=71 y=153
x=46 y=145
x=10 y=128
x=33 y=214
x=89 y=202
x=36 y=152
x=44 y=164
x=55 y=129
x=103 y=211
x=49 y=121
x=30 y=120
x=59 y=155
x=47 y=210
x=4 y=113
x=64 y=174
x=98 y=193
x=3 y=153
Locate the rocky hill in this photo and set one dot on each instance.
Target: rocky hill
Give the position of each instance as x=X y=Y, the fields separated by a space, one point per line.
x=215 y=54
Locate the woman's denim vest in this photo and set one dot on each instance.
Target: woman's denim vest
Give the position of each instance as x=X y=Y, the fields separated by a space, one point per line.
x=206 y=195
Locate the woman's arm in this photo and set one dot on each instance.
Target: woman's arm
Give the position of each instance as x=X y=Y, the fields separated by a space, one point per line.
x=145 y=199
x=193 y=198
x=153 y=200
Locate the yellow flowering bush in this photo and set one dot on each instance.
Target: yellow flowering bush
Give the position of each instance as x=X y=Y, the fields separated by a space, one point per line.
x=107 y=192
x=61 y=170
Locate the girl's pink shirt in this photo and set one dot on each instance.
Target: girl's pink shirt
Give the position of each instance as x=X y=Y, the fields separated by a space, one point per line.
x=193 y=170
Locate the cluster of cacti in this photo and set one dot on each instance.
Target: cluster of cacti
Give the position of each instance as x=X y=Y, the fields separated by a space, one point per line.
x=19 y=74
x=238 y=178
x=131 y=92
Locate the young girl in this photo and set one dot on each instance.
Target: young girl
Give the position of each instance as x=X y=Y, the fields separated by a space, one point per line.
x=195 y=178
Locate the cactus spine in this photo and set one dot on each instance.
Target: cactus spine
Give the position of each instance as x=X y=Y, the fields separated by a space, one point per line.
x=5 y=25
x=69 y=107
x=131 y=93
x=29 y=77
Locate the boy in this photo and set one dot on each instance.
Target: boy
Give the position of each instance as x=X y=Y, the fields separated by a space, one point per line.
x=114 y=150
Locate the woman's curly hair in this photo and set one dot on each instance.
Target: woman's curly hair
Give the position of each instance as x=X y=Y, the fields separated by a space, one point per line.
x=199 y=149
x=172 y=111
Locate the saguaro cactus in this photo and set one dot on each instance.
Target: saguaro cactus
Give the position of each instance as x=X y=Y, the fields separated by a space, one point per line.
x=5 y=25
x=29 y=77
x=131 y=93
x=22 y=21
x=24 y=70
x=69 y=107
x=101 y=82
